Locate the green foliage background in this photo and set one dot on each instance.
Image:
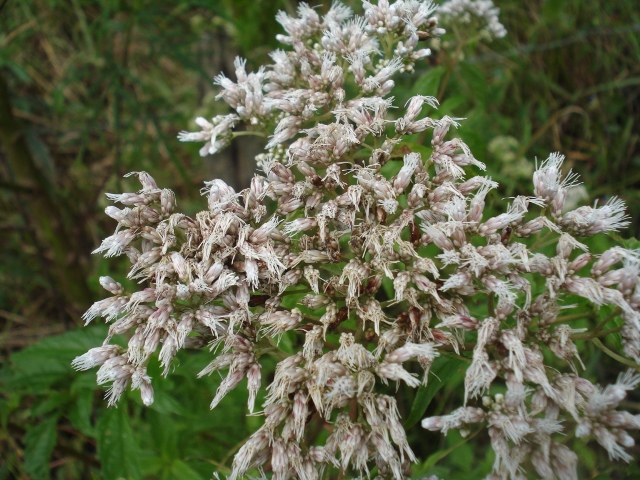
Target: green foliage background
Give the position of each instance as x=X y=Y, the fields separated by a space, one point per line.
x=93 y=89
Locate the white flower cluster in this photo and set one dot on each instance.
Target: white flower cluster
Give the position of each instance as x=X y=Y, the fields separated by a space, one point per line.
x=345 y=212
x=483 y=12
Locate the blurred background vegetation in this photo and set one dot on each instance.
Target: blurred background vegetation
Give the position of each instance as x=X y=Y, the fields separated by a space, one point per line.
x=93 y=89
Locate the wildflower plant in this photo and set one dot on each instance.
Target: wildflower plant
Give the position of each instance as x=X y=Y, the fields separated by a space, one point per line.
x=371 y=256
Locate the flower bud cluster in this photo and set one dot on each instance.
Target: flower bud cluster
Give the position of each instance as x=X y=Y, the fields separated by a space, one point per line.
x=391 y=249
x=467 y=11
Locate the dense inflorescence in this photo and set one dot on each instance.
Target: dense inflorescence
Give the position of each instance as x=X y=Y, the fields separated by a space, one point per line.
x=463 y=13
x=389 y=246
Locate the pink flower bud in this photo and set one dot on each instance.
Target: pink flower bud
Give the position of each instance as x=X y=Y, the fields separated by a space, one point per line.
x=111 y=285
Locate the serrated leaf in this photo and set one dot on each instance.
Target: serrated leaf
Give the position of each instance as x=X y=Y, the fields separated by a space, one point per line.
x=443 y=368
x=35 y=368
x=631 y=243
x=117 y=449
x=51 y=402
x=39 y=443
x=80 y=415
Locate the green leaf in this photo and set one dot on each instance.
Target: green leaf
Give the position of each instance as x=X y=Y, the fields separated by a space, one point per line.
x=16 y=69
x=182 y=471
x=292 y=300
x=41 y=155
x=35 y=368
x=387 y=286
x=51 y=402
x=286 y=342
x=391 y=168
x=424 y=150
x=39 y=442
x=84 y=381
x=164 y=434
x=631 y=243
x=9 y=402
x=553 y=9
x=117 y=450
x=443 y=368
x=80 y=415
x=429 y=83
x=333 y=268
x=464 y=453
x=476 y=80
x=166 y=404
x=451 y=105
x=436 y=457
